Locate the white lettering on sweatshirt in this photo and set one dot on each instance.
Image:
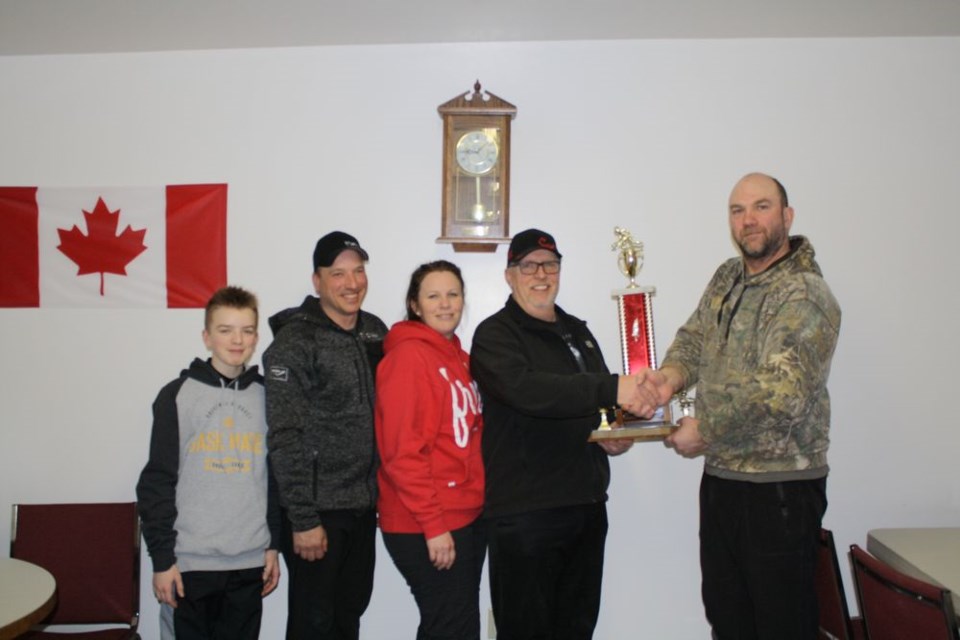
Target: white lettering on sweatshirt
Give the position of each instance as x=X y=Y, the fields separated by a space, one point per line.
x=465 y=400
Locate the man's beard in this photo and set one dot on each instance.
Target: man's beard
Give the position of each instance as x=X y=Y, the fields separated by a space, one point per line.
x=771 y=244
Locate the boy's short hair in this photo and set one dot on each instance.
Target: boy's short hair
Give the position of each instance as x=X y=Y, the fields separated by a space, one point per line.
x=232 y=297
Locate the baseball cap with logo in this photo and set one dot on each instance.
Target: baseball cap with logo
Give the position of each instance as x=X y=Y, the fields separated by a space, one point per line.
x=528 y=241
x=333 y=244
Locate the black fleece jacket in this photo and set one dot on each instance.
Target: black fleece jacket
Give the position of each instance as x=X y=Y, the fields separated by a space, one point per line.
x=320 y=396
x=538 y=411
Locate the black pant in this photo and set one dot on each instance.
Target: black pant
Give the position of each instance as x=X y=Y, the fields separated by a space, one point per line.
x=220 y=605
x=327 y=597
x=448 y=600
x=546 y=568
x=758 y=545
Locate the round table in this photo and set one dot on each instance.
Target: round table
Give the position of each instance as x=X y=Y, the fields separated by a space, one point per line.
x=27 y=595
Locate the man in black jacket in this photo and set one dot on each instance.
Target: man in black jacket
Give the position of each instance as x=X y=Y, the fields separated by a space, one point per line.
x=543 y=380
x=319 y=375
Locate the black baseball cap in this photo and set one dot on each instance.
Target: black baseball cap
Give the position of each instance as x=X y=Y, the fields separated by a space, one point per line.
x=333 y=244
x=528 y=241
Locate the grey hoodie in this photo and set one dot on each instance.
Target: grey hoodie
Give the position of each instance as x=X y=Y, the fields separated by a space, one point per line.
x=203 y=495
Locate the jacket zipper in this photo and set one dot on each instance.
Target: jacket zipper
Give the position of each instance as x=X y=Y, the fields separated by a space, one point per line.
x=363 y=366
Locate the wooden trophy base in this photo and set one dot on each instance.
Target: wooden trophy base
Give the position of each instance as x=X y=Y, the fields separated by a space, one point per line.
x=630 y=427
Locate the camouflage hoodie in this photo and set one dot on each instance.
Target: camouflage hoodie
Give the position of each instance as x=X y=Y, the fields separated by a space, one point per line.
x=758 y=349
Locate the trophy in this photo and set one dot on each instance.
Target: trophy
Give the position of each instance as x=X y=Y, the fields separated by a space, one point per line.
x=637 y=347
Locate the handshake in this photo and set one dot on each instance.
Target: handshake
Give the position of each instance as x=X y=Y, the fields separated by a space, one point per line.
x=643 y=392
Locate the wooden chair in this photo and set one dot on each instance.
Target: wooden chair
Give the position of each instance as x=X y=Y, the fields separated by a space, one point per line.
x=835 y=620
x=93 y=552
x=896 y=607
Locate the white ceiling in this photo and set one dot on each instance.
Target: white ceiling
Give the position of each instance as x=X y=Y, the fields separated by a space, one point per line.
x=89 y=26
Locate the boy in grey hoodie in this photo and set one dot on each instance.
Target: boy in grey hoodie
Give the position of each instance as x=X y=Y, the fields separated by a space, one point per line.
x=205 y=497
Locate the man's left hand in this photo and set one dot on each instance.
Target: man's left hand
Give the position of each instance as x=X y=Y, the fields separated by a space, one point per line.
x=616 y=447
x=687 y=440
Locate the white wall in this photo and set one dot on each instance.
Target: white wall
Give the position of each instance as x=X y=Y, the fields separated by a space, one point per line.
x=649 y=135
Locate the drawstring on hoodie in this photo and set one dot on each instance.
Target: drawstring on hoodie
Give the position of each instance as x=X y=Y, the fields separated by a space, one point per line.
x=737 y=284
x=231 y=386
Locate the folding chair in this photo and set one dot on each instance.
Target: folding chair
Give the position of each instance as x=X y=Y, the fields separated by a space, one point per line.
x=93 y=552
x=835 y=620
x=895 y=606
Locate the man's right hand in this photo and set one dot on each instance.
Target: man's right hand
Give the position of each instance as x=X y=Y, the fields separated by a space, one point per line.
x=310 y=544
x=637 y=394
x=643 y=392
x=663 y=383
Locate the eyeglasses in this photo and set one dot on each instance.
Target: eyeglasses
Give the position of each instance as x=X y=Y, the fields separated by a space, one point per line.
x=529 y=267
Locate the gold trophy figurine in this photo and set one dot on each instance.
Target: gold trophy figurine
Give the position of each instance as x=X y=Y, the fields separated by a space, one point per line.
x=630 y=259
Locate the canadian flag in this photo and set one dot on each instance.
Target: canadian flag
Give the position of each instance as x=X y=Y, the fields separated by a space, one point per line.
x=112 y=247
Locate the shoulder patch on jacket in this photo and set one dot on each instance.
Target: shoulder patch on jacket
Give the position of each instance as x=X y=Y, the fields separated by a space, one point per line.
x=278 y=373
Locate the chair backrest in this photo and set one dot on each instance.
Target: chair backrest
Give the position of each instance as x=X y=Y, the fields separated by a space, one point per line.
x=831 y=599
x=896 y=606
x=93 y=552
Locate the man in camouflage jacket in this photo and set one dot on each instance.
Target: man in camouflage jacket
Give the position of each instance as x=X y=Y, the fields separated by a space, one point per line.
x=758 y=349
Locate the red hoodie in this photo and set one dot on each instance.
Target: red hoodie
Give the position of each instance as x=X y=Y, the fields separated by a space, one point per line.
x=428 y=422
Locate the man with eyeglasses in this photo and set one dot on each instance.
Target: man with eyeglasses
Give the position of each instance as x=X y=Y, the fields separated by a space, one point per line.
x=543 y=379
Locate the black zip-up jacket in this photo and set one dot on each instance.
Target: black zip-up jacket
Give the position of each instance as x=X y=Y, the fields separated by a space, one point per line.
x=538 y=411
x=320 y=403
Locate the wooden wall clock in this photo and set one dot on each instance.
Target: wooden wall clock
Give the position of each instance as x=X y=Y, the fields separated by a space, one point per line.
x=476 y=171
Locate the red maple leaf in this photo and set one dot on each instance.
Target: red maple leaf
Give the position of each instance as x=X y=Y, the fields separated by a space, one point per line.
x=103 y=251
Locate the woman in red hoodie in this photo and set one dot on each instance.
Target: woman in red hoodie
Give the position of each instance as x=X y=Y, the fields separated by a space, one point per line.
x=428 y=422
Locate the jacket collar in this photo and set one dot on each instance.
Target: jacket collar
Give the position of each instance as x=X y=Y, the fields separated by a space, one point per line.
x=526 y=320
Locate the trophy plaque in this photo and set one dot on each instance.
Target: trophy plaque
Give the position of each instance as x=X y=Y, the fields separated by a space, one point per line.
x=637 y=347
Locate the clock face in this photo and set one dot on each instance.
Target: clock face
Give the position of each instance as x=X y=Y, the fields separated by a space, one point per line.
x=477 y=152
